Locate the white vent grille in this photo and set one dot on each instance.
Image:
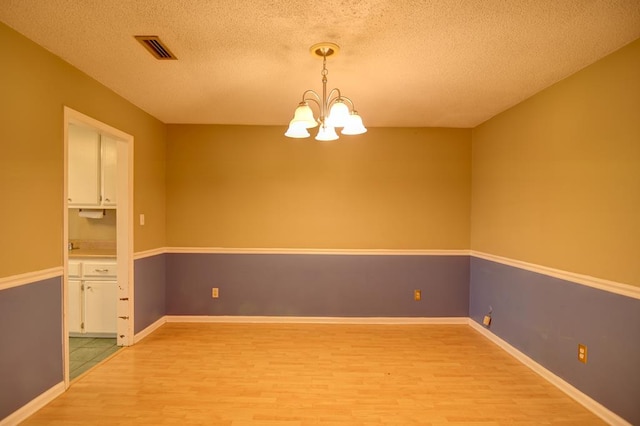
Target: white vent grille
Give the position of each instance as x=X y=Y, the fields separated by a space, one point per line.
x=156 y=47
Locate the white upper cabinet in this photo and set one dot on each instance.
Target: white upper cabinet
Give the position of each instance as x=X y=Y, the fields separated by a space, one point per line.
x=109 y=170
x=92 y=168
x=84 y=166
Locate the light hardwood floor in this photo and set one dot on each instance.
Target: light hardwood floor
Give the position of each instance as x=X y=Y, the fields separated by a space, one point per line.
x=277 y=374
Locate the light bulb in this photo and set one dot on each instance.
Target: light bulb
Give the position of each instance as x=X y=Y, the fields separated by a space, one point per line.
x=304 y=114
x=297 y=130
x=326 y=133
x=354 y=125
x=339 y=114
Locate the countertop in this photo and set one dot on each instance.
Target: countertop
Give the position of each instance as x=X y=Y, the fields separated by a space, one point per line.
x=88 y=249
x=88 y=253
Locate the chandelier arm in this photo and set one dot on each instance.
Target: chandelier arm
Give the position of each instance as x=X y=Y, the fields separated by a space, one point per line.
x=316 y=101
x=312 y=92
x=353 y=107
x=331 y=101
x=336 y=90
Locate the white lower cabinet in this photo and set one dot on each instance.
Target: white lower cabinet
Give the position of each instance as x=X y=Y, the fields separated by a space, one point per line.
x=74 y=312
x=100 y=301
x=93 y=297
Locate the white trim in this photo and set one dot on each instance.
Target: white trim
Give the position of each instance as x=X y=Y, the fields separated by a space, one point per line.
x=150 y=329
x=30 y=277
x=34 y=405
x=65 y=251
x=589 y=403
x=599 y=283
x=314 y=320
x=76 y=117
x=149 y=253
x=366 y=252
x=125 y=187
x=243 y=250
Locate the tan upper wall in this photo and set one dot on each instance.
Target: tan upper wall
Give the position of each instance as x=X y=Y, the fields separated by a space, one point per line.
x=556 y=179
x=251 y=187
x=35 y=85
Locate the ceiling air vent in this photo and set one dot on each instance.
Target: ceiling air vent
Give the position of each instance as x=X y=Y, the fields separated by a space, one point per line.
x=155 y=46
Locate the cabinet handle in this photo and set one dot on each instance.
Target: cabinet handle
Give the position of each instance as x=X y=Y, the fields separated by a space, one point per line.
x=107 y=200
x=69 y=199
x=101 y=270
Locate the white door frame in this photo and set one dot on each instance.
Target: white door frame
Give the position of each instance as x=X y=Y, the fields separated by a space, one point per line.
x=124 y=238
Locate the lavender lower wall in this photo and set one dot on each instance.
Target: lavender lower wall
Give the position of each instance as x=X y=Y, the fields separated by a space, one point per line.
x=317 y=285
x=31 y=350
x=546 y=318
x=150 y=291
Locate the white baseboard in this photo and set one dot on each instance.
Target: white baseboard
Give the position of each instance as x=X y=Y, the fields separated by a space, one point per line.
x=34 y=405
x=150 y=329
x=314 y=320
x=589 y=403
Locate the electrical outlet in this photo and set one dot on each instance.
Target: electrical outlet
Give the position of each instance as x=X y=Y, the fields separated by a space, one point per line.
x=214 y=293
x=417 y=295
x=582 y=353
x=486 y=321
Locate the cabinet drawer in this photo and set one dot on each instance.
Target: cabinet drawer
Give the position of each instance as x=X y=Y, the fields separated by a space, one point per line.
x=74 y=269
x=99 y=269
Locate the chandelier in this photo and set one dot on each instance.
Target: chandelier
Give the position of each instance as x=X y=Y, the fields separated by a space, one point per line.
x=334 y=111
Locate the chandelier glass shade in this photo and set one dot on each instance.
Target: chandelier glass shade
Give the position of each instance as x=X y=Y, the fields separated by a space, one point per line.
x=335 y=110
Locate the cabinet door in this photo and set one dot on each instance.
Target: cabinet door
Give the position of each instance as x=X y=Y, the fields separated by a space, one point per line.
x=84 y=166
x=109 y=170
x=100 y=306
x=74 y=305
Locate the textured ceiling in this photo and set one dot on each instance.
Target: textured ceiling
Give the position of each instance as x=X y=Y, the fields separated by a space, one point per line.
x=403 y=62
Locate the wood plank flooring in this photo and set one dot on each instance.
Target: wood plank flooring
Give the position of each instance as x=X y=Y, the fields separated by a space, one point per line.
x=305 y=374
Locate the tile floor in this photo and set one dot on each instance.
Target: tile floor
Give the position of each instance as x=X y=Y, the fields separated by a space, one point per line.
x=86 y=352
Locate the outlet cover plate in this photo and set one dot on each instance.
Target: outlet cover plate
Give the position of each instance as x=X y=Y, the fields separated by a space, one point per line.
x=582 y=353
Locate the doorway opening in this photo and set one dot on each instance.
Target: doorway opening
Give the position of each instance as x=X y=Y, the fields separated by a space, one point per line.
x=98 y=240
